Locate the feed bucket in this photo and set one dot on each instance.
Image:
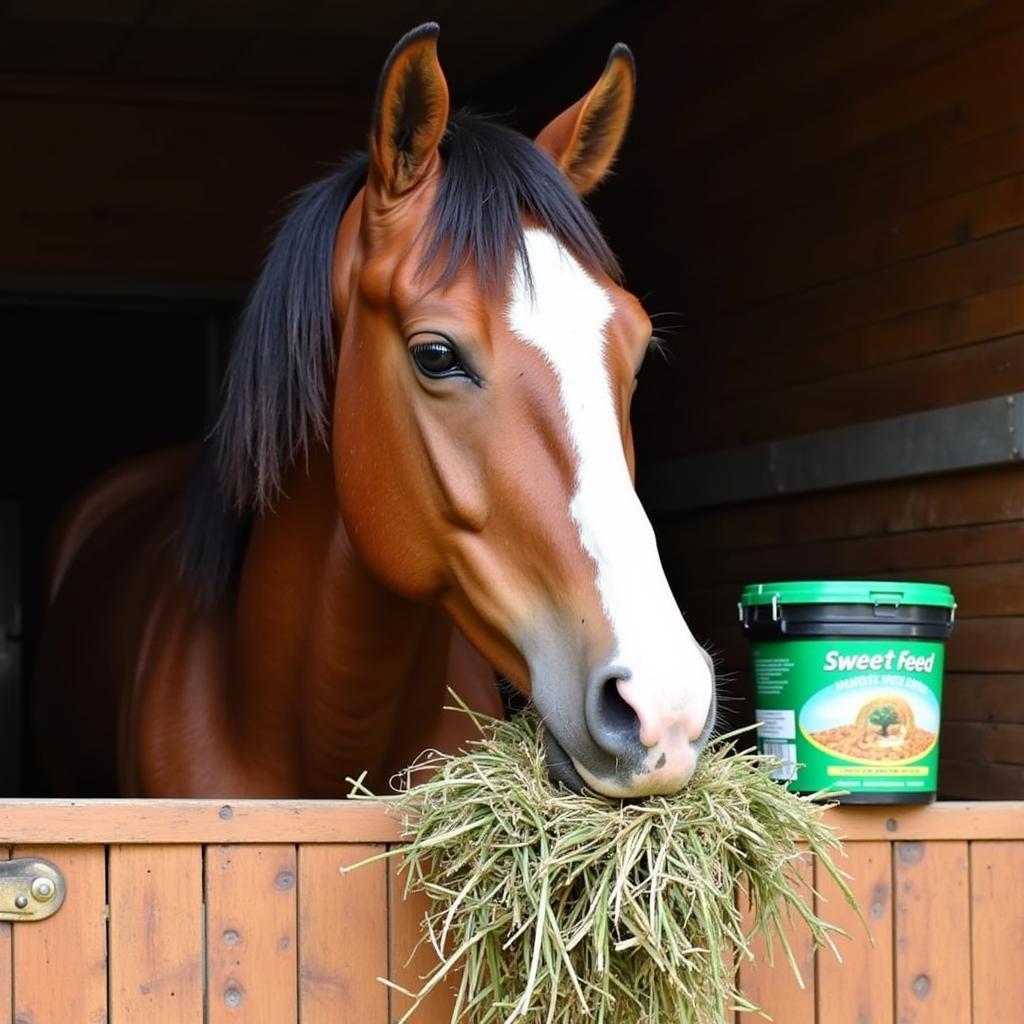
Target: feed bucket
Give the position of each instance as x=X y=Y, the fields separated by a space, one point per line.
x=848 y=684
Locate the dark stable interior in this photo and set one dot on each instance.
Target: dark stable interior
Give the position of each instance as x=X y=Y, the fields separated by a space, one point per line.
x=87 y=388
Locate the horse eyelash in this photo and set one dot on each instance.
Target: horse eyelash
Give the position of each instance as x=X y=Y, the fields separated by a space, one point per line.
x=471 y=374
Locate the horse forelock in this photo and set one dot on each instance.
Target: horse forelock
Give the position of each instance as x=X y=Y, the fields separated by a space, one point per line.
x=493 y=178
x=278 y=384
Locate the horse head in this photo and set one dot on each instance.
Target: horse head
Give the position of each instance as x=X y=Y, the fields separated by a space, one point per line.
x=481 y=435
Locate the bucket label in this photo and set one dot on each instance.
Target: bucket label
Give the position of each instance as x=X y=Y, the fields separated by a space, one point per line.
x=860 y=715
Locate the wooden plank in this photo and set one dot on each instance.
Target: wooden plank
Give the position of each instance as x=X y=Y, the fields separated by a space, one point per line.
x=986 y=645
x=971 y=780
x=858 y=990
x=997 y=924
x=949 y=325
x=195 y=821
x=715 y=24
x=1001 y=820
x=933 y=950
x=992 y=495
x=878 y=51
x=60 y=964
x=885 y=197
x=845 y=55
x=156 y=934
x=946 y=378
x=831 y=207
x=894 y=177
x=968 y=82
x=343 y=935
x=969 y=552
x=958 y=273
x=997 y=697
x=251 y=934
x=879 y=380
x=868 y=247
x=75 y=43
x=773 y=192
x=769 y=981
x=6 y=964
x=411 y=959
x=137 y=91
x=80 y=212
x=983 y=741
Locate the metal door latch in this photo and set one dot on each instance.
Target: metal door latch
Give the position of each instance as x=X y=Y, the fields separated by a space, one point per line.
x=30 y=889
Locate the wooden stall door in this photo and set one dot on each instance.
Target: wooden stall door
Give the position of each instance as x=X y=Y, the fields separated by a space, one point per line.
x=248 y=913
x=204 y=913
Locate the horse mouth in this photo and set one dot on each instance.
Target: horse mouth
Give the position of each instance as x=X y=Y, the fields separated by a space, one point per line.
x=636 y=784
x=560 y=764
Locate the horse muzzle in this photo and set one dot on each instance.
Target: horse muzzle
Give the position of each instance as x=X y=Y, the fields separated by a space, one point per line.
x=629 y=752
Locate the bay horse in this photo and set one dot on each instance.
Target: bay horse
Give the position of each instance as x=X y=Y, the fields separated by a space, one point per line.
x=421 y=476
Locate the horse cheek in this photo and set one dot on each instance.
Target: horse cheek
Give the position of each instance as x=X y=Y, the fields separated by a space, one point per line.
x=379 y=505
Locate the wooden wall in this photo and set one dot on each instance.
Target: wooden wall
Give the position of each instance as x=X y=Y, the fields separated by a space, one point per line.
x=128 y=185
x=829 y=198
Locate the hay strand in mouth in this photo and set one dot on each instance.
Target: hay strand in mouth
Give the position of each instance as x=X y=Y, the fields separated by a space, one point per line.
x=551 y=907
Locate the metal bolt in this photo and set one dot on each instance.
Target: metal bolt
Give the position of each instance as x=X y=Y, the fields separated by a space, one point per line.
x=233 y=997
x=43 y=889
x=21 y=902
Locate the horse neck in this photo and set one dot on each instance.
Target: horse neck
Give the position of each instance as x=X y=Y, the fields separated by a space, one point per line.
x=335 y=674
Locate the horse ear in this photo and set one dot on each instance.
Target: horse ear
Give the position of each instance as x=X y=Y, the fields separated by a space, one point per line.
x=584 y=139
x=411 y=111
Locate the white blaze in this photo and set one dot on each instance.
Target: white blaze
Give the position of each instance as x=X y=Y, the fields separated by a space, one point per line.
x=564 y=318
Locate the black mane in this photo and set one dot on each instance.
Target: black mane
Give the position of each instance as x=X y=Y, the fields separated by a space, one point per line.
x=276 y=395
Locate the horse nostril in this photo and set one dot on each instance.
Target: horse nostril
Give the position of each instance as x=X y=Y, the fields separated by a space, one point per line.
x=615 y=711
x=612 y=721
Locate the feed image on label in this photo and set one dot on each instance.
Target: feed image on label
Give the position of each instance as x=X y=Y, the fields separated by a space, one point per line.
x=884 y=731
x=878 y=727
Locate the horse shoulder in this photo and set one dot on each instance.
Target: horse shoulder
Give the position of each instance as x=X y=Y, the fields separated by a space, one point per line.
x=107 y=557
x=119 y=488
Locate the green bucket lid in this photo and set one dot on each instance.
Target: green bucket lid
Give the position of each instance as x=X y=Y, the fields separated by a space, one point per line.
x=878 y=592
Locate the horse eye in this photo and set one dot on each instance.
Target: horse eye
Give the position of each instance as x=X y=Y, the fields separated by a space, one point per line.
x=437 y=359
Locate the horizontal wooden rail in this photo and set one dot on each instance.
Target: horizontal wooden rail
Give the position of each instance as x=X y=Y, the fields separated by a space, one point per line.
x=997 y=819
x=196 y=821
x=343 y=821
x=968 y=435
